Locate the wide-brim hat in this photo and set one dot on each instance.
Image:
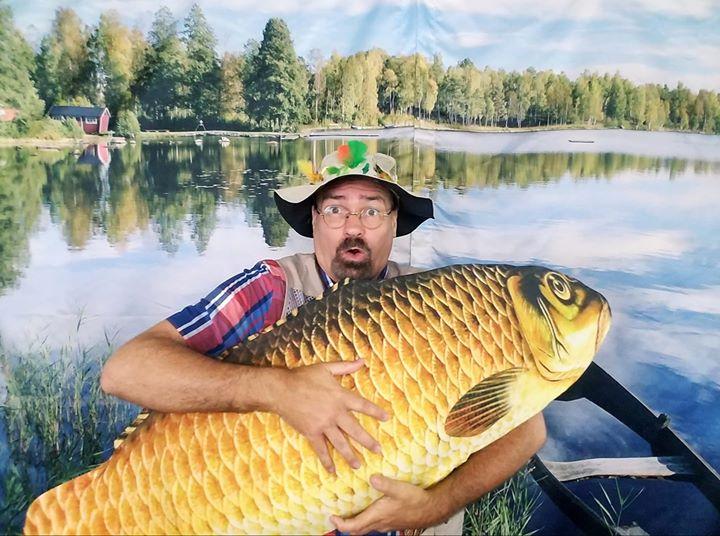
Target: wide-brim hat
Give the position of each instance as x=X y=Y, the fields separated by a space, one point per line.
x=351 y=160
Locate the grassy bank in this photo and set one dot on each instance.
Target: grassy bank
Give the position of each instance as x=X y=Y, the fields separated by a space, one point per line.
x=55 y=422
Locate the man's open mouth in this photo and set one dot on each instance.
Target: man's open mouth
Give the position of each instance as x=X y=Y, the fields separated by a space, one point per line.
x=355 y=253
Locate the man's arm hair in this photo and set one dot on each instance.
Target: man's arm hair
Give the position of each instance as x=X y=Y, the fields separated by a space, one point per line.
x=158 y=370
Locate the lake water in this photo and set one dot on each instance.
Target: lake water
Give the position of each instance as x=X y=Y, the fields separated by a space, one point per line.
x=118 y=238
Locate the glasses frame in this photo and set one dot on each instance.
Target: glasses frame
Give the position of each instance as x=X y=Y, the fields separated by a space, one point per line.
x=348 y=213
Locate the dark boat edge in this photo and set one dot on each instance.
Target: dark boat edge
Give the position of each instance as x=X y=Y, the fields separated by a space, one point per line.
x=600 y=388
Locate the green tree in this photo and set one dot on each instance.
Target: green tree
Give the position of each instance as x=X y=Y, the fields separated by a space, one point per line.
x=388 y=90
x=681 y=102
x=559 y=99
x=617 y=102
x=114 y=54
x=638 y=100
x=589 y=98
x=450 y=94
x=62 y=59
x=518 y=94
x=437 y=74
x=317 y=83
x=160 y=84
x=127 y=124
x=16 y=66
x=95 y=70
x=203 y=67
x=707 y=111
x=656 y=110
x=359 y=76
x=232 y=93
x=277 y=84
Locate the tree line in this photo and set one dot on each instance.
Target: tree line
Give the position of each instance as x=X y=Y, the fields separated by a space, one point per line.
x=173 y=77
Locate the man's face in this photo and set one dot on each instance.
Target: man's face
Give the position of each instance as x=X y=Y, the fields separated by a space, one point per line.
x=352 y=250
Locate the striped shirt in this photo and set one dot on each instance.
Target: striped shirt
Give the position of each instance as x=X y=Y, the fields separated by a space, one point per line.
x=238 y=308
x=241 y=306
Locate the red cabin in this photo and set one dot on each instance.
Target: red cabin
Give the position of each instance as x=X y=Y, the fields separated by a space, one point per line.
x=92 y=119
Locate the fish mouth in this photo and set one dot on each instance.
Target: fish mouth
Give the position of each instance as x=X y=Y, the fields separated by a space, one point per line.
x=603 y=325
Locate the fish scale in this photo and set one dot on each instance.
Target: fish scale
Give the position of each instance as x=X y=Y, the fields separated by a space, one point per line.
x=428 y=339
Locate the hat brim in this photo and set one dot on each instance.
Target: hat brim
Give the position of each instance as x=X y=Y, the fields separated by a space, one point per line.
x=295 y=205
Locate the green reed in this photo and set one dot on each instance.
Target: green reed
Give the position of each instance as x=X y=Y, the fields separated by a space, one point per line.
x=55 y=422
x=506 y=510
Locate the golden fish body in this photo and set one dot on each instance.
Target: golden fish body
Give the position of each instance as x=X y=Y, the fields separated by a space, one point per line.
x=457 y=356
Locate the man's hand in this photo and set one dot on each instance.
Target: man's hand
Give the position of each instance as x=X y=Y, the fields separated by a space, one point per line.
x=403 y=506
x=313 y=402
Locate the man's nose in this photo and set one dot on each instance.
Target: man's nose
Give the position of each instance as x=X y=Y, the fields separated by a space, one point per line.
x=353 y=225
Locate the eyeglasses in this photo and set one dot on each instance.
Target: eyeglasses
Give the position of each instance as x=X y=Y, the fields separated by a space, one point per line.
x=370 y=217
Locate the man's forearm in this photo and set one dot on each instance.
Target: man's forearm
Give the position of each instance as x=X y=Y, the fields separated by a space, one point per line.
x=158 y=371
x=488 y=468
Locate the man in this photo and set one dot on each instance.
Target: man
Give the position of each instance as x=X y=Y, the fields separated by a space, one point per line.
x=353 y=211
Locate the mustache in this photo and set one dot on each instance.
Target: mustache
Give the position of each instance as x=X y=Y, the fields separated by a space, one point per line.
x=352 y=243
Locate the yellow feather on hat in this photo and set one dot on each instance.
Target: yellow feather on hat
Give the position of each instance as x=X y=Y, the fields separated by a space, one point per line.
x=307 y=169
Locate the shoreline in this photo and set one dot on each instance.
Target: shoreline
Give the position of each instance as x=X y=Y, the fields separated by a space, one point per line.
x=321 y=132
x=61 y=143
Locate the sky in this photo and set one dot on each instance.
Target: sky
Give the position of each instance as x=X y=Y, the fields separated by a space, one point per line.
x=661 y=41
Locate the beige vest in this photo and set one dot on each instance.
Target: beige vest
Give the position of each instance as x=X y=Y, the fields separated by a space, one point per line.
x=303 y=282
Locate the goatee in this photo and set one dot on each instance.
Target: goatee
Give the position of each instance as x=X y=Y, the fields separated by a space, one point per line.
x=360 y=269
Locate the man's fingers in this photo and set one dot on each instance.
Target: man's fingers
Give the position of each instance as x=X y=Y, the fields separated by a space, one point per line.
x=360 y=524
x=352 y=427
x=363 y=405
x=387 y=486
x=320 y=447
x=338 y=368
x=340 y=442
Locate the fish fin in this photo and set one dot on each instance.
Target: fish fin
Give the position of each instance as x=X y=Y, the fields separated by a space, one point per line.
x=483 y=405
x=333 y=288
x=240 y=354
x=141 y=418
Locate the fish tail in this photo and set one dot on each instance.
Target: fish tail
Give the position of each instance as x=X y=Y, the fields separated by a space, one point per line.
x=57 y=511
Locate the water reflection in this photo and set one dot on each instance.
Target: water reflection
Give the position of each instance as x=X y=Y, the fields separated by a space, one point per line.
x=168 y=186
x=127 y=242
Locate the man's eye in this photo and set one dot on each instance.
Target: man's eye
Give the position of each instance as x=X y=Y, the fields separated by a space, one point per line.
x=333 y=210
x=372 y=212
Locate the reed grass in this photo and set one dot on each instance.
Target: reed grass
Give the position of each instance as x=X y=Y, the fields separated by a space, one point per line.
x=612 y=505
x=506 y=510
x=55 y=422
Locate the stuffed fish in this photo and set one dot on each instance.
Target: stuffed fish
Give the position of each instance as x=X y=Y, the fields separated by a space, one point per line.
x=457 y=356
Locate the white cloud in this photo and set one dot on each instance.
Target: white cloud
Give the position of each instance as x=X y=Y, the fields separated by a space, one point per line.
x=549 y=9
x=473 y=39
x=687 y=8
x=704 y=300
x=581 y=245
x=642 y=73
x=577 y=9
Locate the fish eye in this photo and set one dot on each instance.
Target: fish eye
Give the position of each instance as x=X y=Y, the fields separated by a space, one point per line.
x=559 y=286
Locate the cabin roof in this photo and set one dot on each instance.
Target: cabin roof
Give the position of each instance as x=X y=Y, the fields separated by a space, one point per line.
x=77 y=111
